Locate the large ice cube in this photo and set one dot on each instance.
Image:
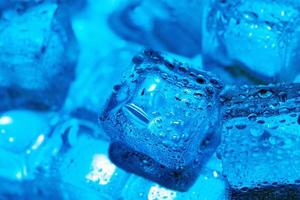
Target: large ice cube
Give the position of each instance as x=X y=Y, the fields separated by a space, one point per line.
x=259 y=36
x=38 y=54
x=164 y=110
x=261 y=140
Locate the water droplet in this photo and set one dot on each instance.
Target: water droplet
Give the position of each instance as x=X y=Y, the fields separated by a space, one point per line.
x=282 y=121
x=198 y=95
x=137 y=59
x=229 y=127
x=175 y=138
x=162 y=134
x=164 y=75
x=183 y=68
x=250 y=16
x=283 y=110
x=200 y=79
x=260 y=121
x=240 y=126
x=263 y=93
x=267 y=113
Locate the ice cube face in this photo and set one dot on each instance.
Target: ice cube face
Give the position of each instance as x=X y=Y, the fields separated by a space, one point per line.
x=180 y=179
x=38 y=56
x=252 y=33
x=132 y=161
x=163 y=109
x=261 y=136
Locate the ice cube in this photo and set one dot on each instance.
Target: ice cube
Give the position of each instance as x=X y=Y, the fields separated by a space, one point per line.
x=165 y=110
x=158 y=23
x=49 y=156
x=38 y=56
x=260 y=147
x=260 y=36
x=22 y=142
x=82 y=162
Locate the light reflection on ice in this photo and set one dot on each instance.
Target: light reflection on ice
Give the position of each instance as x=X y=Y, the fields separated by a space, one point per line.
x=38 y=141
x=5 y=120
x=102 y=170
x=159 y=193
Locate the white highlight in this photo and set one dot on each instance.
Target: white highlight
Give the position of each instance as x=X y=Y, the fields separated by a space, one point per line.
x=11 y=139
x=102 y=170
x=159 y=193
x=19 y=175
x=38 y=142
x=215 y=174
x=152 y=87
x=5 y=120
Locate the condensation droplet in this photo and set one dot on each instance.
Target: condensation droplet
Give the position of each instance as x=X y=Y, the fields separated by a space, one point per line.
x=263 y=93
